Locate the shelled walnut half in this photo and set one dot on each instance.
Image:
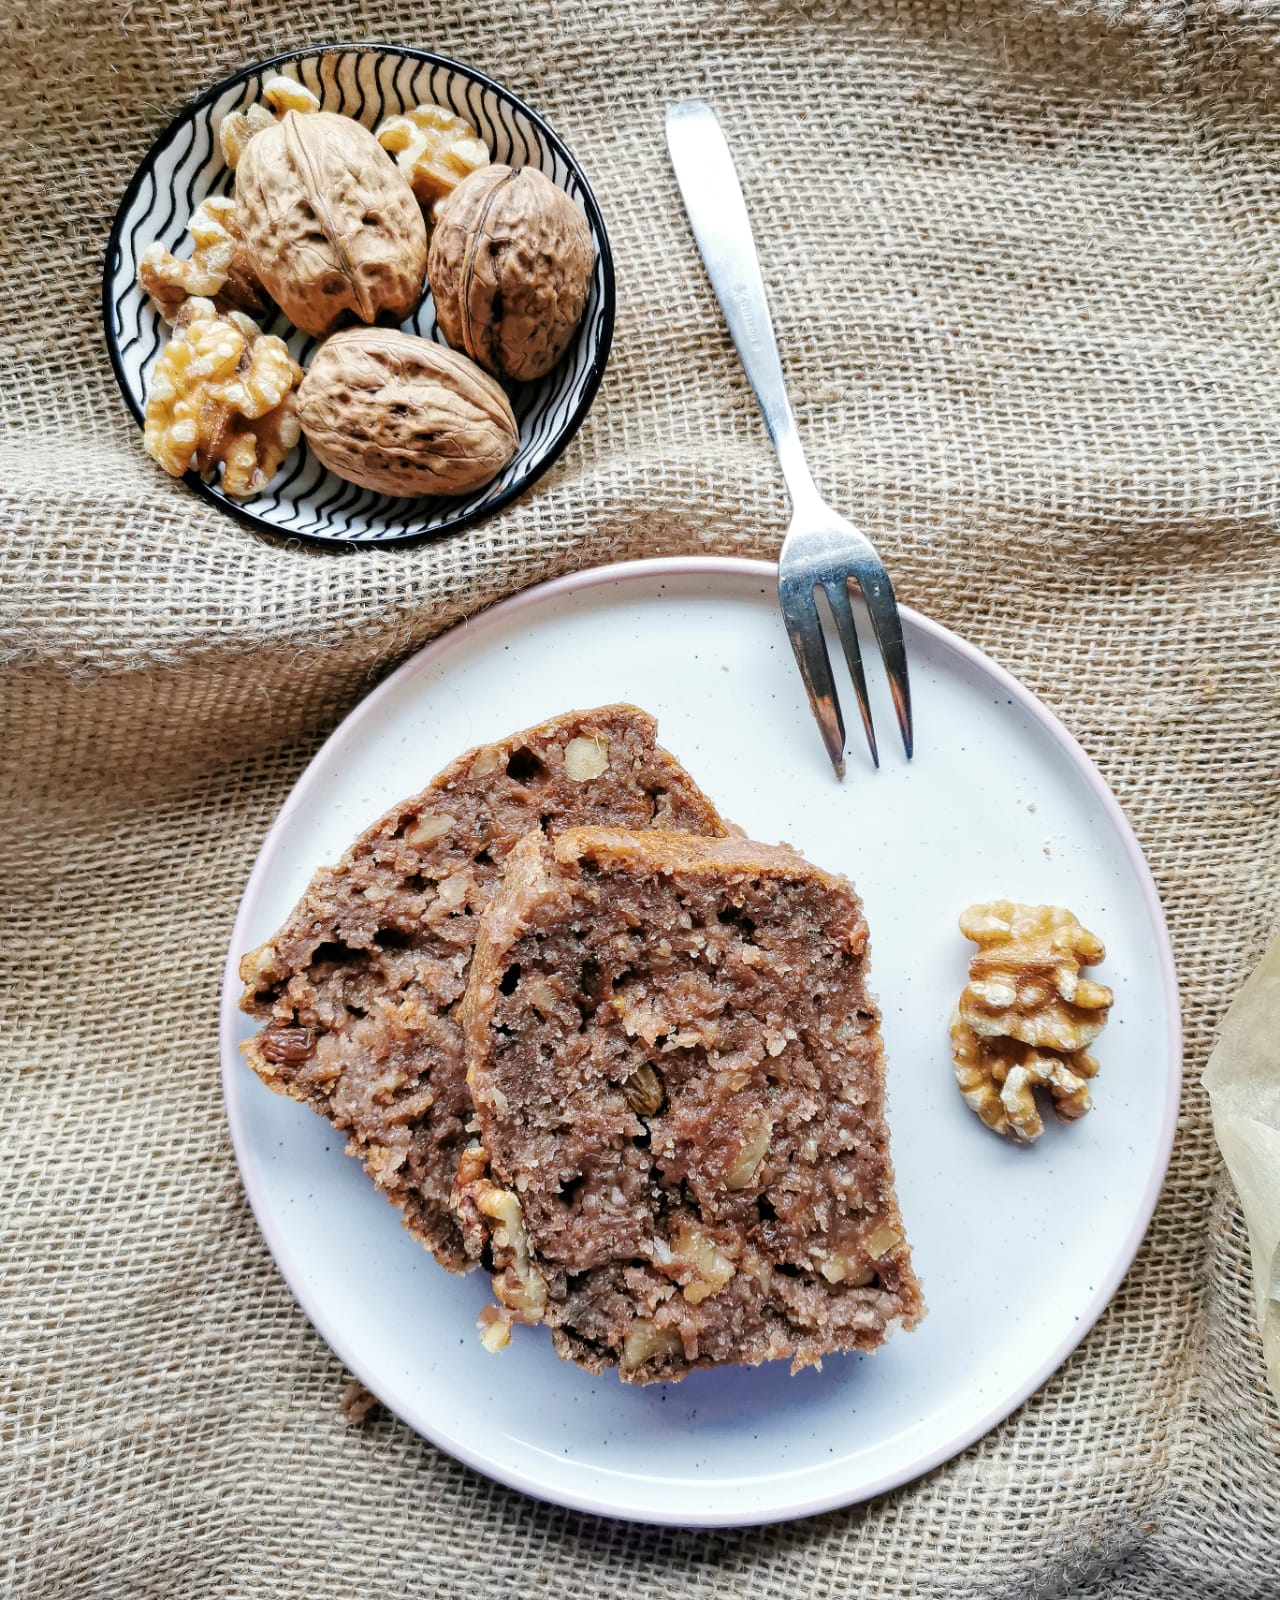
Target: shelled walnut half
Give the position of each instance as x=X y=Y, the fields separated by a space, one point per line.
x=434 y=148
x=217 y=268
x=279 y=94
x=998 y=1079
x=222 y=394
x=1024 y=980
x=1026 y=1015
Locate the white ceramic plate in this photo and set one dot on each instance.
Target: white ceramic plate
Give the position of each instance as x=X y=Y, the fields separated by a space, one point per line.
x=999 y=800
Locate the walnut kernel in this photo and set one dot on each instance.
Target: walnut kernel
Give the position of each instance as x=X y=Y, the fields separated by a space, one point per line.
x=423 y=832
x=495 y=1329
x=487 y=760
x=585 y=758
x=754 y=1149
x=453 y=890
x=286 y=94
x=238 y=127
x=997 y=1078
x=1024 y=980
x=222 y=394
x=1026 y=1015
x=646 y=1340
x=434 y=148
x=883 y=1239
x=696 y=1254
x=839 y=1269
x=519 y=1286
x=217 y=267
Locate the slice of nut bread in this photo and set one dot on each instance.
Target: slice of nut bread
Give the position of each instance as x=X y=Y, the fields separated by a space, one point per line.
x=679 y=1084
x=359 y=990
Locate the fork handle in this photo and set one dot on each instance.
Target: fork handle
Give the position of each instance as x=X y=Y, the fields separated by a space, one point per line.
x=718 y=215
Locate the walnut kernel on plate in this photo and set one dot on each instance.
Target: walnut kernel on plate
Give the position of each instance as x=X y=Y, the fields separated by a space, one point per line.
x=281 y=94
x=222 y=395
x=217 y=268
x=1026 y=1015
x=434 y=148
x=998 y=1077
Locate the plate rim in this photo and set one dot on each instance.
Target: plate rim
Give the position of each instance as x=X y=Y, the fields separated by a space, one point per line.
x=460 y=1448
x=595 y=372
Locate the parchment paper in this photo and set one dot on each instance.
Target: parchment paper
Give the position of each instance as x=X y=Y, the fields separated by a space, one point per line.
x=1243 y=1080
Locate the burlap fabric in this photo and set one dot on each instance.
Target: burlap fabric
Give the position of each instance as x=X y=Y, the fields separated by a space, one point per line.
x=1024 y=263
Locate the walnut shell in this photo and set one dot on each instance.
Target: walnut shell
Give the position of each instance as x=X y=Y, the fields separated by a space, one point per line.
x=330 y=225
x=403 y=415
x=509 y=267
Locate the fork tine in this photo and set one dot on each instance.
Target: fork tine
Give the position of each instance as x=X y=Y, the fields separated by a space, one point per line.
x=800 y=613
x=838 y=596
x=877 y=595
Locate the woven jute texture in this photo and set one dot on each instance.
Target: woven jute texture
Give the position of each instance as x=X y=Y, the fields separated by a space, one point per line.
x=1025 y=265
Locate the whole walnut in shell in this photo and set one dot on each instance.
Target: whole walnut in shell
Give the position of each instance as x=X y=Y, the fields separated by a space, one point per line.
x=331 y=227
x=510 y=266
x=403 y=415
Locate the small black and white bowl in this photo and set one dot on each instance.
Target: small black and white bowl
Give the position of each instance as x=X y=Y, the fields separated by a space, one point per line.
x=367 y=82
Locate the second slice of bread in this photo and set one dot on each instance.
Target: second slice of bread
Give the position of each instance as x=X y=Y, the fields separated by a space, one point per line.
x=358 y=992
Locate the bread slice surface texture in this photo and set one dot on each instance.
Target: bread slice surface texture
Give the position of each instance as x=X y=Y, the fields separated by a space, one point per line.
x=679 y=1087
x=358 y=993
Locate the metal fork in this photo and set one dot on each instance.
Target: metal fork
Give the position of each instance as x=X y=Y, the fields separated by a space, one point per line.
x=821 y=550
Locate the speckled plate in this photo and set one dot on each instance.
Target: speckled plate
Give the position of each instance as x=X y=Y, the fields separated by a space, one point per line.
x=367 y=82
x=1019 y=1249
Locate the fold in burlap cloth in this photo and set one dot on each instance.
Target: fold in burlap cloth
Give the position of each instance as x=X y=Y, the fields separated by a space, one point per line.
x=1024 y=263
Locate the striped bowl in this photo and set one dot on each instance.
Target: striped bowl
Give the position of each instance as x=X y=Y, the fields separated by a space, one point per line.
x=367 y=82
